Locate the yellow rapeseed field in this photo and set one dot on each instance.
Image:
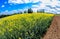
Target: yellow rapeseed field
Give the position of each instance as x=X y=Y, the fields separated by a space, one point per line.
x=25 y=26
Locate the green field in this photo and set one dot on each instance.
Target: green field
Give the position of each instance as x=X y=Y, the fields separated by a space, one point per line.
x=25 y=26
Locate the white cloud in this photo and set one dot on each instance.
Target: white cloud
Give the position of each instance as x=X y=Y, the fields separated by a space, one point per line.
x=15 y=1
x=26 y=1
x=3 y=6
x=47 y=9
x=42 y=5
x=58 y=9
x=34 y=1
x=45 y=1
x=22 y=1
x=54 y=3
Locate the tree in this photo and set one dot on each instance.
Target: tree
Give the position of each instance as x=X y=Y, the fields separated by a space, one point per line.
x=30 y=10
x=25 y=11
x=41 y=11
x=1 y=16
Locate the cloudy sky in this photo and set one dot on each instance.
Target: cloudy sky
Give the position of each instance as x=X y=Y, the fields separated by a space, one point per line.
x=10 y=6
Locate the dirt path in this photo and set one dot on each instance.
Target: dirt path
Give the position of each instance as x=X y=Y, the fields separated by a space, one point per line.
x=54 y=30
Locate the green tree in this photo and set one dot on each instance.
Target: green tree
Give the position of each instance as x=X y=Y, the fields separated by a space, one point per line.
x=25 y=11
x=30 y=10
x=41 y=11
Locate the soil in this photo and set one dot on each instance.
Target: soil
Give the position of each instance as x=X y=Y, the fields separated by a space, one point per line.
x=54 y=30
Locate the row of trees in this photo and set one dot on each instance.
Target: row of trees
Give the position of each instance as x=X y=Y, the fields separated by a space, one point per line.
x=28 y=11
x=31 y=11
x=1 y=16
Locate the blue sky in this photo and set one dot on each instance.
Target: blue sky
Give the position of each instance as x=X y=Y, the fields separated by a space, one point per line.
x=11 y=6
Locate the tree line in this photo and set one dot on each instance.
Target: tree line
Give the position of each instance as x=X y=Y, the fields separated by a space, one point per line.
x=28 y=11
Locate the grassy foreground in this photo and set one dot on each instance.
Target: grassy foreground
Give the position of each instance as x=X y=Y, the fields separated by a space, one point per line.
x=25 y=26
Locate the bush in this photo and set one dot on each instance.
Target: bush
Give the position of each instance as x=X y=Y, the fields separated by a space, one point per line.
x=24 y=26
